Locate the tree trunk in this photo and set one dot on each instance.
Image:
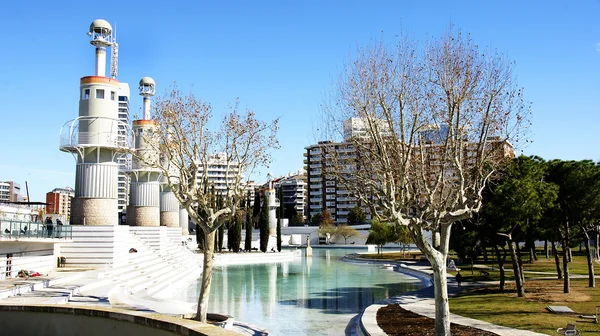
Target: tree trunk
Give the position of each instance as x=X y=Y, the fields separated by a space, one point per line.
x=206 y=277
x=596 y=244
x=500 y=267
x=520 y=260
x=546 y=248
x=567 y=280
x=531 y=255
x=556 y=261
x=442 y=309
x=437 y=258
x=516 y=269
x=590 y=261
x=570 y=254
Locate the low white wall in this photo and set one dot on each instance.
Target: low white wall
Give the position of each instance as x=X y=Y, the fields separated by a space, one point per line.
x=30 y=256
x=97 y=246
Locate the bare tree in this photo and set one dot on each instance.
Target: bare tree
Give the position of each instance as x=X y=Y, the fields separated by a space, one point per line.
x=346 y=232
x=431 y=125
x=185 y=143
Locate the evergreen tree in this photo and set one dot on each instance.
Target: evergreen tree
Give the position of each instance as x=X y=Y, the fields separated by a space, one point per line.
x=356 y=215
x=220 y=236
x=248 y=240
x=379 y=234
x=257 y=210
x=236 y=239
x=221 y=230
x=264 y=225
x=281 y=214
x=230 y=234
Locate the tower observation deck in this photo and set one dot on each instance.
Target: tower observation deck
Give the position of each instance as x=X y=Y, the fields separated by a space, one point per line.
x=94 y=138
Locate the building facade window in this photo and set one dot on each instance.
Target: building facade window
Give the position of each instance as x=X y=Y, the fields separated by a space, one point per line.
x=99 y=93
x=86 y=94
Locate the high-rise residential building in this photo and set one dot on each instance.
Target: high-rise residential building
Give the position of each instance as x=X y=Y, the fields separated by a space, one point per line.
x=358 y=127
x=325 y=190
x=59 y=202
x=220 y=173
x=10 y=191
x=125 y=160
x=292 y=191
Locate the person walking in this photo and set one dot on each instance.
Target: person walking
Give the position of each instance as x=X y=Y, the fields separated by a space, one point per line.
x=458 y=278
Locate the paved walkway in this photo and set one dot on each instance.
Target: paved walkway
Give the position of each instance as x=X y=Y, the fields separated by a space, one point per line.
x=422 y=302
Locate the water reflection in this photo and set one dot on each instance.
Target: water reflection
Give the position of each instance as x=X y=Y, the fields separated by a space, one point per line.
x=307 y=296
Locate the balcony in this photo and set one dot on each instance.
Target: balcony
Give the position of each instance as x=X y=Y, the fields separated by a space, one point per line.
x=346 y=206
x=316 y=193
x=94 y=132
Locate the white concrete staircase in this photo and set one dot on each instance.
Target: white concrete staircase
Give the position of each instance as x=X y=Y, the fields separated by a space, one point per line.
x=147 y=271
x=141 y=277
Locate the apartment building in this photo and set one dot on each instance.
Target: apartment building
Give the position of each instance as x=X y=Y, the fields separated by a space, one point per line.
x=10 y=191
x=325 y=190
x=124 y=161
x=59 y=202
x=220 y=173
x=292 y=191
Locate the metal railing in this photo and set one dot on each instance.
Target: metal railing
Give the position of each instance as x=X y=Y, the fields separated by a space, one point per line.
x=18 y=230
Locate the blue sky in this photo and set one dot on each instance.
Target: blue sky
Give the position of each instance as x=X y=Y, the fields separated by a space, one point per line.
x=279 y=58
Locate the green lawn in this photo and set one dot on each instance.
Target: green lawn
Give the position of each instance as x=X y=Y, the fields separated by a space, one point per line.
x=529 y=313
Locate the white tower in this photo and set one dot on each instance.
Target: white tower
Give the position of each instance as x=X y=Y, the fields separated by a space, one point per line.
x=93 y=139
x=273 y=204
x=143 y=208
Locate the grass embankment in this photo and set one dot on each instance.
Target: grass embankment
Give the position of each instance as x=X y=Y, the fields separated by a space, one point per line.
x=528 y=313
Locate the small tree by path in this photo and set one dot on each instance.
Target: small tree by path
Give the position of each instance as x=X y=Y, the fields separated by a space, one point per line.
x=346 y=232
x=326 y=226
x=379 y=234
x=402 y=237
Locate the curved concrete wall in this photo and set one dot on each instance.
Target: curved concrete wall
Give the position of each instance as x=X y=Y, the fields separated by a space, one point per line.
x=72 y=321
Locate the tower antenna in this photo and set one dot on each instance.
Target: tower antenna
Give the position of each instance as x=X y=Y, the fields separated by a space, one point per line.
x=114 y=56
